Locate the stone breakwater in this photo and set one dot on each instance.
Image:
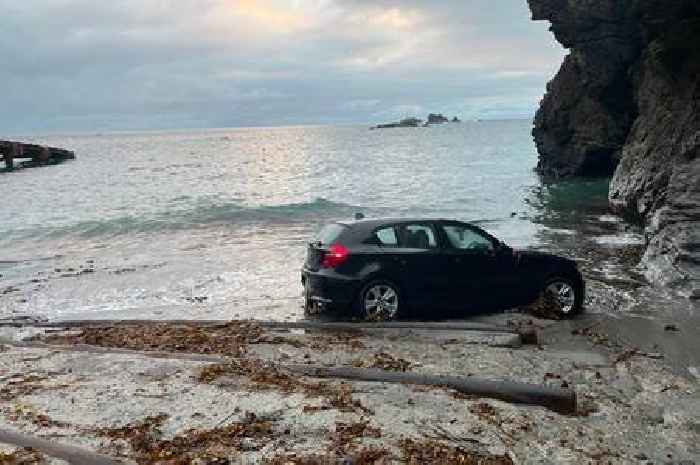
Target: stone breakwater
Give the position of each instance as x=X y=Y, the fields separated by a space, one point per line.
x=625 y=103
x=37 y=155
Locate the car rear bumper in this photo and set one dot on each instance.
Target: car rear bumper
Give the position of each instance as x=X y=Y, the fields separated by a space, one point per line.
x=329 y=291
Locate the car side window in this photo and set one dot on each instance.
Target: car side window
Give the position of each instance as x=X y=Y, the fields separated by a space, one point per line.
x=385 y=237
x=417 y=236
x=465 y=238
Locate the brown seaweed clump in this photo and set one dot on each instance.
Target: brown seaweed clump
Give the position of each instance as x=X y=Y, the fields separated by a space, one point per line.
x=25 y=456
x=430 y=451
x=211 y=447
x=364 y=456
x=384 y=361
x=329 y=340
x=265 y=375
x=228 y=339
x=42 y=420
x=21 y=384
x=231 y=338
x=346 y=433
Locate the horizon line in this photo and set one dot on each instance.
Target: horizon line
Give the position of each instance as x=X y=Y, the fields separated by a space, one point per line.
x=98 y=132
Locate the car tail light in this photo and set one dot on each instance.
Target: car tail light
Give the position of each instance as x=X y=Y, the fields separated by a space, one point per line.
x=335 y=255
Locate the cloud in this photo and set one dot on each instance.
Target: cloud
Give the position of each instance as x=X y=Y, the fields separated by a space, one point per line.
x=85 y=65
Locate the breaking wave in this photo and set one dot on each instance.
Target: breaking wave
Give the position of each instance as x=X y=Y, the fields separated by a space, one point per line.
x=200 y=216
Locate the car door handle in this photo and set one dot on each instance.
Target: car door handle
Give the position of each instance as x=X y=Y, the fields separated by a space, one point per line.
x=400 y=261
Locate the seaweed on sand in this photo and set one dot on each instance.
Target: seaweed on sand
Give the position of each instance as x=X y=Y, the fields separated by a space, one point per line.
x=363 y=456
x=346 y=433
x=431 y=451
x=384 y=361
x=343 y=449
x=229 y=339
x=265 y=375
x=21 y=384
x=25 y=456
x=213 y=446
x=29 y=414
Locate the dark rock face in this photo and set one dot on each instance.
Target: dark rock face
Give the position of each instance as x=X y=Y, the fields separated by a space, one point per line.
x=626 y=102
x=588 y=110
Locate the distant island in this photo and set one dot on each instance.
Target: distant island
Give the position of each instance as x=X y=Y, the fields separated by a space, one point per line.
x=433 y=118
x=404 y=123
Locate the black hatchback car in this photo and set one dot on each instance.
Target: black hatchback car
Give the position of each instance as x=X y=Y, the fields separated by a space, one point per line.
x=390 y=268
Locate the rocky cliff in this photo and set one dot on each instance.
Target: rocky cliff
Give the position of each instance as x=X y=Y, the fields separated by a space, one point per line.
x=626 y=103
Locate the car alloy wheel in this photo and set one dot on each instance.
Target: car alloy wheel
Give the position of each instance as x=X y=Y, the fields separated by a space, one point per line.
x=380 y=302
x=564 y=294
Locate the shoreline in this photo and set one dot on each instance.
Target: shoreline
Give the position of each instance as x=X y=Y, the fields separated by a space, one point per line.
x=618 y=299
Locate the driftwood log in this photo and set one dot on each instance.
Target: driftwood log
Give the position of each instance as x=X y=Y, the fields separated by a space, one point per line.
x=71 y=454
x=557 y=399
x=334 y=325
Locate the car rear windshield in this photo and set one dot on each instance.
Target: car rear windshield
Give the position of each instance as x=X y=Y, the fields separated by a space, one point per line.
x=330 y=233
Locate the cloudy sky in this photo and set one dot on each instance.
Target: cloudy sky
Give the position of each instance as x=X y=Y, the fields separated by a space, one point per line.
x=149 y=64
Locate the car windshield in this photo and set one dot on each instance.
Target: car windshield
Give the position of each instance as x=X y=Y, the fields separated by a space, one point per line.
x=329 y=233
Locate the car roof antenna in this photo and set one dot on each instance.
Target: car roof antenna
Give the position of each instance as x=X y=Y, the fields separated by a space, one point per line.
x=359 y=216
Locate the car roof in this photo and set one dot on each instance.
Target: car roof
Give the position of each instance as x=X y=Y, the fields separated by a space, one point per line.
x=358 y=229
x=375 y=222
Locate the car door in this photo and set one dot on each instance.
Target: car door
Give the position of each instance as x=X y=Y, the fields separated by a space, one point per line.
x=481 y=275
x=423 y=265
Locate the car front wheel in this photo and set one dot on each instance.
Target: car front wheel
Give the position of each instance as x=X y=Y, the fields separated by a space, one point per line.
x=566 y=294
x=380 y=301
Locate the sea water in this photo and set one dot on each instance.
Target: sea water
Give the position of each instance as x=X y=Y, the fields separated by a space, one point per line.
x=214 y=223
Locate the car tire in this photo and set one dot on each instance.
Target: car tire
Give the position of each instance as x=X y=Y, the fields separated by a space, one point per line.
x=568 y=293
x=386 y=298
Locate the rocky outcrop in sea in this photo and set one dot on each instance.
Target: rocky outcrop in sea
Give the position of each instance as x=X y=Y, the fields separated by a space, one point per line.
x=437 y=118
x=626 y=103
